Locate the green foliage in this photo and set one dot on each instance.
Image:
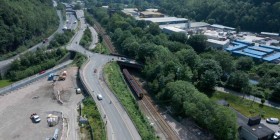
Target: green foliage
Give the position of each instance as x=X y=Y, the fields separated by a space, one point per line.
x=198 y=42
x=187 y=100
x=4 y=83
x=61 y=39
x=247 y=107
x=101 y=48
x=254 y=15
x=118 y=85
x=89 y=19
x=238 y=80
x=86 y=39
x=244 y=63
x=79 y=59
x=90 y=111
x=25 y=22
x=32 y=63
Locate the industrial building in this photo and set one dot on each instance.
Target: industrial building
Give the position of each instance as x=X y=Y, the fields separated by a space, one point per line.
x=150 y=14
x=131 y=12
x=165 y=20
x=222 y=27
x=171 y=29
x=252 y=129
x=260 y=52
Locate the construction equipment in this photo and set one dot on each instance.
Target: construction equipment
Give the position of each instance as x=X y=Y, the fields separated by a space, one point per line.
x=62 y=76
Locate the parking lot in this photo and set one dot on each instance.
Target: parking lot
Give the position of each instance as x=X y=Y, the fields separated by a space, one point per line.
x=40 y=98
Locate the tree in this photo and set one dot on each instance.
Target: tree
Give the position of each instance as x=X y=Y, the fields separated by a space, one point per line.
x=188 y=57
x=198 y=42
x=208 y=80
x=238 y=80
x=244 y=63
x=208 y=64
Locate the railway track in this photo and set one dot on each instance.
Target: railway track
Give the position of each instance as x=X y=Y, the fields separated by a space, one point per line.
x=106 y=38
x=164 y=127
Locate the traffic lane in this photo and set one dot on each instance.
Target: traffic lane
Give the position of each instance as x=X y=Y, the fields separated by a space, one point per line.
x=273 y=127
x=120 y=130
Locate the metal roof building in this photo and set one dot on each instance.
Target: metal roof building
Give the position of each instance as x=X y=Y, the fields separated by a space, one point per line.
x=271 y=47
x=165 y=20
x=262 y=49
x=247 y=54
x=170 y=29
x=247 y=50
x=222 y=27
x=272 y=57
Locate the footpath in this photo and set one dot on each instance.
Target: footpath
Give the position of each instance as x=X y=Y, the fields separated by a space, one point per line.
x=248 y=97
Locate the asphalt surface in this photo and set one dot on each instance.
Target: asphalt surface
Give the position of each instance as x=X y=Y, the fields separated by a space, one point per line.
x=5 y=63
x=119 y=125
x=71 y=21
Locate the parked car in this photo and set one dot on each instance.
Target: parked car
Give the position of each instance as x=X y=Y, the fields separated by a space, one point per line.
x=276 y=135
x=99 y=97
x=272 y=120
x=34 y=117
x=78 y=91
x=41 y=72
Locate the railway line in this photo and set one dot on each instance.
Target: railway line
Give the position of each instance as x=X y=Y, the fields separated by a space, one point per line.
x=106 y=38
x=146 y=102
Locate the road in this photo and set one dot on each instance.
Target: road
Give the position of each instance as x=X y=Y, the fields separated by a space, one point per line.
x=5 y=63
x=119 y=125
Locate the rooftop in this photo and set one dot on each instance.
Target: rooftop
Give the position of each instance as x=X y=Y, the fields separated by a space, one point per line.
x=272 y=57
x=178 y=25
x=259 y=130
x=164 y=19
x=198 y=24
x=151 y=13
x=220 y=42
x=174 y=29
x=222 y=27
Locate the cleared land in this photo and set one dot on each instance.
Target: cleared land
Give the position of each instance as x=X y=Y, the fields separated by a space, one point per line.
x=39 y=97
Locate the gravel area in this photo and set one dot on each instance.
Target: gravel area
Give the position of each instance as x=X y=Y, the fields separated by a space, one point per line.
x=39 y=97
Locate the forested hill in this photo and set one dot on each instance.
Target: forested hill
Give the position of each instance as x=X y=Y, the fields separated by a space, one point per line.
x=251 y=15
x=22 y=20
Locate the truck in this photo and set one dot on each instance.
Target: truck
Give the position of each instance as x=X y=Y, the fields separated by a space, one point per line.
x=62 y=76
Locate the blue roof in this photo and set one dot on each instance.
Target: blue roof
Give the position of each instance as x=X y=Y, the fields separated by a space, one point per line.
x=244 y=42
x=247 y=54
x=254 y=52
x=271 y=47
x=272 y=57
x=236 y=46
x=262 y=49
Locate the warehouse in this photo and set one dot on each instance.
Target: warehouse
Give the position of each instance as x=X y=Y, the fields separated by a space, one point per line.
x=165 y=20
x=170 y=29
x=150 y=14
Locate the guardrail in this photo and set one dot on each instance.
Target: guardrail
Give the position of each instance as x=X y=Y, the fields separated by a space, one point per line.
x=29 y=80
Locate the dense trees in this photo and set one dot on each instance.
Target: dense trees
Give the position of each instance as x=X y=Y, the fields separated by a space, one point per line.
x=61 y=39
x=32 y=63
x=24 y=22
x=86 y=39
x=254 y=15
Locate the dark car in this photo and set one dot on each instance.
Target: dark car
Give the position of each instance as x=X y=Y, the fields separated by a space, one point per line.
x=41 y=72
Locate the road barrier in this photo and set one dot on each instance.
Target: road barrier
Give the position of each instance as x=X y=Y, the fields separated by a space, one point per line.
x=29 y=80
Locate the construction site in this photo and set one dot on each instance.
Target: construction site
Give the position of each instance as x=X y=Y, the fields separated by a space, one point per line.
x=45 y=109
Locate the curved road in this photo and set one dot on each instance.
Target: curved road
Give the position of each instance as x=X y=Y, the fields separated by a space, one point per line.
x=119 y=125
x=5 y=63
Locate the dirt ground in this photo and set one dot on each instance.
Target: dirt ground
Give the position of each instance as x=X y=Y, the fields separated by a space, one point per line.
x=40 y=97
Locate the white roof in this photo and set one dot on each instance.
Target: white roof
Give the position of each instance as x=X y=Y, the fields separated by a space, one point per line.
x=179 y=25
x=164 y=19
x=267 y=33
x=218 y=41
x=222 y=27
x=173 y=29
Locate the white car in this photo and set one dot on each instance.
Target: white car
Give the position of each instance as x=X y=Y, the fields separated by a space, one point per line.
x=272 y=120
x=276 y=135
x=99 y=97
x=35 y=118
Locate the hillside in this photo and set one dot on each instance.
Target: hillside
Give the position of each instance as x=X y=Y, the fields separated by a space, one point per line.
x=251 y=15
x=25 y=22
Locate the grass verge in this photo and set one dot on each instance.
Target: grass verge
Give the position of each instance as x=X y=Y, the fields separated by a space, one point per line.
x=247 y=107
x=116 y=83
x=90 y=111
x=4 y=83
x=79 y=59
x=101 y=48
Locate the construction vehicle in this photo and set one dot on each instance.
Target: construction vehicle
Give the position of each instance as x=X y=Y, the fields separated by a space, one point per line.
x=62 y=76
